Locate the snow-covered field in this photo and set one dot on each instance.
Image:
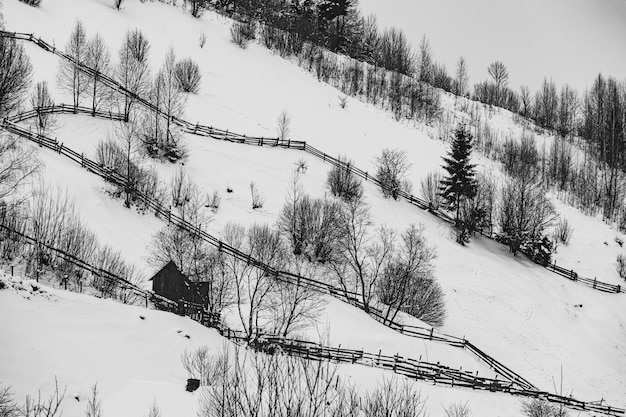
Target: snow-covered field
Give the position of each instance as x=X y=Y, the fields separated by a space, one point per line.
x=526 y=317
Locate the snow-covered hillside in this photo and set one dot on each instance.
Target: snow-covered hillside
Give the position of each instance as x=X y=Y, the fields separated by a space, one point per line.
x=528 y=318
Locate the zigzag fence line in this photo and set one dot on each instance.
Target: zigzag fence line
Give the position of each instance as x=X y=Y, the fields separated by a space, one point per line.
x=220 y=134
x=349 y=297
x=260 y=141
x=271 y=344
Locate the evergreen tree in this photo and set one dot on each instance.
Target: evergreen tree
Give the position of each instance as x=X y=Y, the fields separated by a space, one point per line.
x=460 y=183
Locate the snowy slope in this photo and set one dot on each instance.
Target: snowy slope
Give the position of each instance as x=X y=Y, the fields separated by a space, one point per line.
x=519 y=313
x=134 y=356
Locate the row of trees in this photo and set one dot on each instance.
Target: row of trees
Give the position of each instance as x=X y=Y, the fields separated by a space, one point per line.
x=166 y=90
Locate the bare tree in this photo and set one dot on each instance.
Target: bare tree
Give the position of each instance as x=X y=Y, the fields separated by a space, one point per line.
x=461 y=79
x=99 y=59
x=41 y=101
x=94 y=403
x=363 y=253
x=392 y=167
x=17 y=167
x=343 y=183
x=311 y=225
x=429 y=188
x=132 y=70
x=253 y=285
x=425 y=63
x=500 y=75
x=403 y=282
x=526 y=101
x=16 y=71
x=283 y=125
x=40 y=407
x=257 y=198
x=70 y=76
x=8 y=406
x=296 y=306
x=126 y=134
x=170 y=97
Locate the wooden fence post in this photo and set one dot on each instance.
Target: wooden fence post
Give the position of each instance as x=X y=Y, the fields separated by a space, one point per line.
x=146 y=300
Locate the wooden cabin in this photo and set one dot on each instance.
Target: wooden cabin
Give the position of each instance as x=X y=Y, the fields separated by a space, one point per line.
x=172 y=284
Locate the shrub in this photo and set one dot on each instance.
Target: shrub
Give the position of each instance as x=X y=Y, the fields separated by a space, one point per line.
x=542 y=408
x=242 y=33
x=188 y=76
x=429 y=188
x=257 y=198
x=34 y=3
x=213 y=201
x=458 y=410
x=202 y=40
x=199 y=364
x=343 y=183
x=427 y=301
x=392 y=168
x=621 y=266
x=563 y=231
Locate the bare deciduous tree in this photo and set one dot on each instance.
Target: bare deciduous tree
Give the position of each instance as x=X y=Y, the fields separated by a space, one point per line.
x=392 y=167
x=407 y=281
x=41 y=101
x=283 y=125
x=363 y=253
x=343 y=183
x=132 y=70
x=16 y=71
x=461 y=79
x=99 y=59
x=500 y=75
x=70 y=77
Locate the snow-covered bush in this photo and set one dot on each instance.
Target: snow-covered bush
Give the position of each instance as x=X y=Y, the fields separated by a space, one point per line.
x=188 y=76
x=342 y=182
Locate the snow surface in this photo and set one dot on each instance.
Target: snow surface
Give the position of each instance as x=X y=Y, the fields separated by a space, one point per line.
x=523 y=315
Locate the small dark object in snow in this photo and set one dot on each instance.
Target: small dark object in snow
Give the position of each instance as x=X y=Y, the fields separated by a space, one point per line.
x=578 y=305
x=178 y=331
x=187 y=336
x=229 y=190
x=77 y=398
x=192 y=384
x=619 y=241
x=606 y=243
x=142 y=317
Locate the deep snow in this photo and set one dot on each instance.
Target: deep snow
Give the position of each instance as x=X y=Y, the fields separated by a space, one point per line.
x=518 y=312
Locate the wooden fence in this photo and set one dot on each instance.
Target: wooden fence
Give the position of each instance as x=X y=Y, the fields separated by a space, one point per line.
x=220 y=134
x=417 y=369
x=162 y=211
x=166 y=214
